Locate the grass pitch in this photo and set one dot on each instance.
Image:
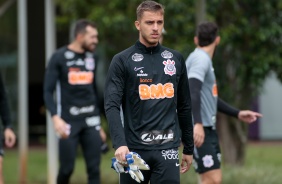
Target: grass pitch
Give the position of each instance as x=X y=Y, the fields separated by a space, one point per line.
x=263 y=166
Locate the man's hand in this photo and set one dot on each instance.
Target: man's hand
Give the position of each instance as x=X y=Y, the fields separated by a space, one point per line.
x=61 y=127
x=134 y=163
x=103 y=135
x=120 y=154
x=199 y=134
x=10 y=137
x=248 y=116
x=185 y=163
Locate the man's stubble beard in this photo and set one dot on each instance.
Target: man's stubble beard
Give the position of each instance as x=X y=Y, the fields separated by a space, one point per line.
x=148 y=41
x=88 y=47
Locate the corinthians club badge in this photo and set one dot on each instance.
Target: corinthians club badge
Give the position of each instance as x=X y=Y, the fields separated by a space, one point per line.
x=89 y=63
x=169 y=67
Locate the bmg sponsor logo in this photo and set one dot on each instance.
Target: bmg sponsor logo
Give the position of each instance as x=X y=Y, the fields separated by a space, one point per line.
x=156 y=91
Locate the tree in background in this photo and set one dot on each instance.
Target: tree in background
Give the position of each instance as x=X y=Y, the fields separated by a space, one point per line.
x=251 y=38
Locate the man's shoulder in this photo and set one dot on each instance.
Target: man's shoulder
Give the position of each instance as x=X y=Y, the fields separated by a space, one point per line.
x=61 y=51
x=198 y=55
x=125 y=53
x=174 y=52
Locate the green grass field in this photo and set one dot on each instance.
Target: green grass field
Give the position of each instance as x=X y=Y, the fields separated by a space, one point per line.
x=263 y=166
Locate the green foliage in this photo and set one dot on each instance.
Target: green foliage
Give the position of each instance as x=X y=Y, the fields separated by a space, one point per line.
x=116 y=18
x=8 y=33
x=251 y=37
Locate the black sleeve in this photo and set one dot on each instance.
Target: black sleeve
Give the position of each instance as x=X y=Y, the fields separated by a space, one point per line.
x=225 y=108
x=196 y=99
x=98 y=96
x=50 y=81
x=4 y=107
x=113 y=94
x=184 y=112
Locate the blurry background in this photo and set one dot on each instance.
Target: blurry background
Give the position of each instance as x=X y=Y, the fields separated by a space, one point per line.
x=248 y=61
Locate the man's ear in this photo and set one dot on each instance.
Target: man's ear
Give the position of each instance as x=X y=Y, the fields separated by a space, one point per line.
x=196 y=40
x=79 y=36
x=137 y=25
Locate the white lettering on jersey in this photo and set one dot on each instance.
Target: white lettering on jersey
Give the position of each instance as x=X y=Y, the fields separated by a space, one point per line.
x=93 y=121
x=142 y=74
x=170 y=154
x=78 y=62
x=157 y=136
x=81 y=110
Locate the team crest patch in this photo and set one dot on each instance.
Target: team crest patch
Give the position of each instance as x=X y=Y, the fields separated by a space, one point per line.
x=137 y=57
x=166 y=54
x=89 y=63
x=169 y=67
x=208 y=161
x=69 y=54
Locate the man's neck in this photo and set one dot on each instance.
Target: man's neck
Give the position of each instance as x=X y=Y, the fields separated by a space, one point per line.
x=76 y=47
x=208 y=49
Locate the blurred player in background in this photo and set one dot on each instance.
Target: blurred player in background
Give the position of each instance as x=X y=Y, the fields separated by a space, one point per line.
x=9 y=135
x=206 y=103
x=76 y=114
x=162 y=36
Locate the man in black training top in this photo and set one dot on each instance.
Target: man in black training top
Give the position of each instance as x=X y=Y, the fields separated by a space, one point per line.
x=147 y=102
x=76 y=114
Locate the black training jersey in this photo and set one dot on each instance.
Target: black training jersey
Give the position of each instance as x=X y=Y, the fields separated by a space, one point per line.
x=149 y=88
x=74 y=75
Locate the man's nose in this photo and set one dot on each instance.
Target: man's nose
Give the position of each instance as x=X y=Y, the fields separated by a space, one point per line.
x=155 y=26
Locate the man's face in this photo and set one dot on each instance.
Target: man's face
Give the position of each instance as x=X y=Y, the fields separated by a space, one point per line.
x=150 y=27
x=90 y=39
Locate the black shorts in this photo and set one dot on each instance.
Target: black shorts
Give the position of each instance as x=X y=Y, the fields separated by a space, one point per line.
x=208 y=156
x=164 y=167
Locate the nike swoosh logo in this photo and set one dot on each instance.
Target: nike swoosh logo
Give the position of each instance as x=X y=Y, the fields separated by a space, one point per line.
x=136 y=69
x=177 y=164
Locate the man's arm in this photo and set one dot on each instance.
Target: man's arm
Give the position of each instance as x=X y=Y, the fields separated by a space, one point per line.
x=10 y=137
x=246 y=116
x=225 y=108
x=199 y=134
x=196 y=99
x=185 y=119
x=50 y=80
x=184 y=112
x=114 y=88
x=52 y=73
x=4 y=107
